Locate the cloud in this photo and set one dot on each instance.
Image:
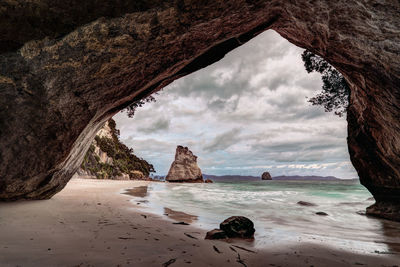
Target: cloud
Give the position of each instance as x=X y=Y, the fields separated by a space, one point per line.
x=160 y=124
x=245 y=114
x=224 y=140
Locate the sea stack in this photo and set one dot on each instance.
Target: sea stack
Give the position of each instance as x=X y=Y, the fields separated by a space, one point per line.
x=266 y=176
x=184 y=169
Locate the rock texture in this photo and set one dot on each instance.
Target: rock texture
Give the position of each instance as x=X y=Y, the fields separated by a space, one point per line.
x=216 y=234
x=386 y=210
x=238 y=226
x=184 y=168
x=266 y=176
x=233 y=227
x=66 y=68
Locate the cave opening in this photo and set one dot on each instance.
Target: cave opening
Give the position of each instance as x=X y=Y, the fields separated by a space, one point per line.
x=243 y=115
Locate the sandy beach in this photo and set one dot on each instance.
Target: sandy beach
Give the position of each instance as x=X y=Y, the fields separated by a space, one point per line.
x=91 y=223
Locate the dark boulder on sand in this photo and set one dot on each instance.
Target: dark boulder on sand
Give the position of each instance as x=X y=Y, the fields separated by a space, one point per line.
x=238 y=226
x=208 y=181
x=216 y=234
x=233 y=227
x=321 y=213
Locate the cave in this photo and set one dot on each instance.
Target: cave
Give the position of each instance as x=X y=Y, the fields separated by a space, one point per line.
x=66 y=69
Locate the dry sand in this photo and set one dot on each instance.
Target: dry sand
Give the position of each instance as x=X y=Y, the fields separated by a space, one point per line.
x=90 y=223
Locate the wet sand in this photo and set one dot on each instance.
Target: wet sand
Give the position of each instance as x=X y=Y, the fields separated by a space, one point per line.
x=179 y=216
x=140 y=191
x=92 y=223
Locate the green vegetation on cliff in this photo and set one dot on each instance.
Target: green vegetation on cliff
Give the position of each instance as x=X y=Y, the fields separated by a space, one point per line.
x=120 y=159
x=335 y=89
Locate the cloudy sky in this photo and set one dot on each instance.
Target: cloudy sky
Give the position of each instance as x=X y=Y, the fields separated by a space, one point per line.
x=245 y=114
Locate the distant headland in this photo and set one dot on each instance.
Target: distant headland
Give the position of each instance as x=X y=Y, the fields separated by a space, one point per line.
x=279 y=178
x=250 y=178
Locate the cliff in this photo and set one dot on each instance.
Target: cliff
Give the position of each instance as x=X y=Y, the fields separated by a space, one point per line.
x=108 y=158
x=184 y=168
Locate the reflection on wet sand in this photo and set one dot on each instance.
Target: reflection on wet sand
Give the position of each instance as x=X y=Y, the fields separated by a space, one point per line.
x=179 y=216
x=391 y=232
x=140 y=191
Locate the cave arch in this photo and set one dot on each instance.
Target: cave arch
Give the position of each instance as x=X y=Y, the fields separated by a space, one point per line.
x=63 y=80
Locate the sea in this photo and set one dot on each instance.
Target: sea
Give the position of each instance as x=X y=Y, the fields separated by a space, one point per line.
x=277 y=216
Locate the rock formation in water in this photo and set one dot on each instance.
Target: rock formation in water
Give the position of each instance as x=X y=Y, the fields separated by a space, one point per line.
x=66 y=67
x=108 y=158
x=184 y=168
x=266 y=176
x=305 y=203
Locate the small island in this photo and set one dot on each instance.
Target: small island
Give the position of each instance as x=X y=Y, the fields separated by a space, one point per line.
x=184 y=168
x=266 y=176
